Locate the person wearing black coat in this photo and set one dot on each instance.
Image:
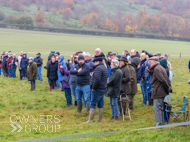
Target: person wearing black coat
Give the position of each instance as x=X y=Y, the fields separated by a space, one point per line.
x=82 y=70
x=52 y=74
x=114 y=87
x=39 y=62
x=23 y=67
x=135 y=59
x=99 y=86
x=5 y=70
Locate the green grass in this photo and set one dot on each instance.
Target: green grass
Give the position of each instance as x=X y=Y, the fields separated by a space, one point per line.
x=17 y=99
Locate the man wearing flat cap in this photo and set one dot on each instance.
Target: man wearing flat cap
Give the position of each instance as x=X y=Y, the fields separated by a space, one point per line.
x=125 y=85
x=32 y=73
x=99 y=87
x=158 y=55
x=161 y=87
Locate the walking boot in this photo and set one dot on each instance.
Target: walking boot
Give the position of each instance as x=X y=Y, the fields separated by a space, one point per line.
x=32 y=88
x=50 y=88
x=75 y=103
x=79 y=108
x=100 y=114
x=87 y=107
x=91 y=115
x=116 y=118
x=55 y=88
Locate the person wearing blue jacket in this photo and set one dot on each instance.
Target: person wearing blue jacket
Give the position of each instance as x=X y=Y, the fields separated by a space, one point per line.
x=61 y=62
x=13 y=66
x=141 y=78
x=89 y=61
x=23 y=67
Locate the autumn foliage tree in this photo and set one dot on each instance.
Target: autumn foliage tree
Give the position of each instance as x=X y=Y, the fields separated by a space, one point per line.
x=39 y=16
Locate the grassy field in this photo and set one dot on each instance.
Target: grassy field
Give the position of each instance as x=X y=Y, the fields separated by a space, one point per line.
x=17 y=99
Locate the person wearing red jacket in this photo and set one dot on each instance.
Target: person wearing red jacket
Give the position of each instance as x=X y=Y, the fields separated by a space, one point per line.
x=9 y=60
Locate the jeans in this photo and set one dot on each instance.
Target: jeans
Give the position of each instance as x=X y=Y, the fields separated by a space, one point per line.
x=97 y=98
x=80 y=90
x=40 y=73
x=20 y=74
x=10 y=72
x=167 y=114
x=33 y=82
x=114 y=107
x=73 y=90
x=144 y=91
x=14 y=72
x=68 y=96
x=0 y=71
x=58 y=84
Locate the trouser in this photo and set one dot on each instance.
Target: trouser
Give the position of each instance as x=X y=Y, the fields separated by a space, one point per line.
x=144 y=91
x=10 y=72
x=5 y=71
x=158 y=111
x=123 y=105
x=40 y=73
x=23 y=72
x=131 y=102
x=80 y=90
x=114 y=107
x=97 y=97
x=14 y=72
x=33 y=82
x=73 y=90
x=58 y=84
x=68 y=96
x=0 y=71
x=20 y=74
x=52 y=83
x=167 y=114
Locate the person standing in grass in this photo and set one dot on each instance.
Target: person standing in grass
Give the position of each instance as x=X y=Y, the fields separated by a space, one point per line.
x=133 y=85
x=61 y=62
x=135 y=59
x=52 y=73
x=9 y=60
x=114 y=87
x=19 y=62
x=0 y=65
x=73 y=77
x=141 y=78
x=14 y=66
x=82 y=70
x=5 y=71
x=23 y=67
x=125 y=85
x=99 y=87
x=161 y=87
x=32 y=73
x=39 y=62
x=66 y=85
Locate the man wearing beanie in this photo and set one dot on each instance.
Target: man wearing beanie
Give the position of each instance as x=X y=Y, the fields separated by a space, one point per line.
x=82 y=70
x=161 y=87
x=32 y=73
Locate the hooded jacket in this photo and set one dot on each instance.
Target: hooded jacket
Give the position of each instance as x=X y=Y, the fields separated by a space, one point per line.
x=62 y=63
x=24 y=63
x=32 y=71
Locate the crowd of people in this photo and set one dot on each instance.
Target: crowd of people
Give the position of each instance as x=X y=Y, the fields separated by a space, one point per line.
x=89 y=78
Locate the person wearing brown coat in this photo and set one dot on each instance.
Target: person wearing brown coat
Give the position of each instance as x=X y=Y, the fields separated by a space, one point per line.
x=125 y=85
x=161 y=87
x=32 y=73
x=133 y=85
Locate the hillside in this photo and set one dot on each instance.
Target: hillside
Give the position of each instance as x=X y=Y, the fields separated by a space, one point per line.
x=164 y=17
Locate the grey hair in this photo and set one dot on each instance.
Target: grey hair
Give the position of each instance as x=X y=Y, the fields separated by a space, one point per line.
x=115 y=63
x=98 y=49
x=165 y=55
x=88 y=54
